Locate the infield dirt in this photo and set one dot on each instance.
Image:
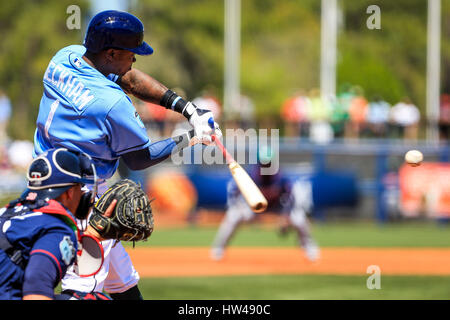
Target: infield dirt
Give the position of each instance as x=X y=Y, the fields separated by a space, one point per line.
x=195 y=261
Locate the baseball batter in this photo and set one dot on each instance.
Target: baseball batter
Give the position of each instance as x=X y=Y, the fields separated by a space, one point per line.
x=291 y=200
x=85 y=107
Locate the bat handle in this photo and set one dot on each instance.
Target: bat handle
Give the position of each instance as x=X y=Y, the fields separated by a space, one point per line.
x=219 y=144
x=211 y=124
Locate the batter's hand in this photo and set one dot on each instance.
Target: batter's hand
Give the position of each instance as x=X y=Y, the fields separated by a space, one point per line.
x=200 y=121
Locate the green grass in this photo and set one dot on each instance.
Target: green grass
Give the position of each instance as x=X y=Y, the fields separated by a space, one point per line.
x=304 y=287
x=354 y=234
x=295 y=287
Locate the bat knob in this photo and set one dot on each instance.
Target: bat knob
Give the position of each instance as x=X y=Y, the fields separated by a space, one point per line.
x=211 y=122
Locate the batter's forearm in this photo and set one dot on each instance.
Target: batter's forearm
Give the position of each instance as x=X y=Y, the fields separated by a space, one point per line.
x=142 y=86
x=156 y=152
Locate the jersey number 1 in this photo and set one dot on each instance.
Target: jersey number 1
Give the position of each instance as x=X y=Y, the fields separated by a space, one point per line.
x=53 y=108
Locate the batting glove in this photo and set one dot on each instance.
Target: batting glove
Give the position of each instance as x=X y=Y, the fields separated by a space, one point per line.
x=204 y=128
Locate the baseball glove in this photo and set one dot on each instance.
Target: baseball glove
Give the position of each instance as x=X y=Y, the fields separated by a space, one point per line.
x=132 y=218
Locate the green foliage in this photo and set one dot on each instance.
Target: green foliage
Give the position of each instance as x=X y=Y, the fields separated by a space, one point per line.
x=391 y=61
x=280 y=49
x=188 y=43
x=32 y=32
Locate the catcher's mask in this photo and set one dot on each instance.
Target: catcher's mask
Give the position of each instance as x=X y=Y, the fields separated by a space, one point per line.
x=57 y=170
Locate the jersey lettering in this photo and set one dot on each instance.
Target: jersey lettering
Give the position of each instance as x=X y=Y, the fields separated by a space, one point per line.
x=60 y=78
x=29 y=215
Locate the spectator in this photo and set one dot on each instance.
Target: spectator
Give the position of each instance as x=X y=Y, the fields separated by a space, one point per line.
x=158 y=121
x=319 y=108
x=5 y=164
x=240 y=114
x=378 y=116
x=345 y=98
x=153 y=117
x=339 y=115
x=444 y=117
x=358 y=112
x=406 y=117
x=208 y=100
x=20 y=154
x=247 y=109
x=294 y=113
x=5 y=114
x=320 y=130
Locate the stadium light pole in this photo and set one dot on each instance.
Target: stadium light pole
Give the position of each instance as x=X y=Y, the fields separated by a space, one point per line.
x=232 y=55
x=328 y=43
x=433 y=69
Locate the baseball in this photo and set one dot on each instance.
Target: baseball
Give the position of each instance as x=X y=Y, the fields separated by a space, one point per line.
x=414 y=157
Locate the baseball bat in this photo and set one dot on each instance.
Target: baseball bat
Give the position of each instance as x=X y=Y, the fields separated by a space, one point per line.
x=249 y=190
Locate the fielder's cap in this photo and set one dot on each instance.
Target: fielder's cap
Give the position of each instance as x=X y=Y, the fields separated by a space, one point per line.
x=55 y=171
x=116 y=29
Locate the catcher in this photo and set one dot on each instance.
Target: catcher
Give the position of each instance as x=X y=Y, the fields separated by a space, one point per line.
x=39 y=238
x=130 y=220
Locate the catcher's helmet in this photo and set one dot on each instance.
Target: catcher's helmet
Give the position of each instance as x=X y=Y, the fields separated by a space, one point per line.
x=116 y=29
x=57 y=170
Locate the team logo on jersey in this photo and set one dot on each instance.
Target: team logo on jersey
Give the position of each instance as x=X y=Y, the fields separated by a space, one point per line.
x=138 y=119
x=77 y=62
x=67 y=250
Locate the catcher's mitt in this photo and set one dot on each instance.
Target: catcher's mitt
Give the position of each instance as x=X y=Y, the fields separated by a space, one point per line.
x=132 y=219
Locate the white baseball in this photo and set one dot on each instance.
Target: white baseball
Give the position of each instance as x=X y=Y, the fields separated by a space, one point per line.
x=414 y=157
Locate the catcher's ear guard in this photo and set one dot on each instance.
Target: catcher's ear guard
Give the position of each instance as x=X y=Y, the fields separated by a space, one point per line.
x=88 y=198
x=85 y=205
x=89 y=256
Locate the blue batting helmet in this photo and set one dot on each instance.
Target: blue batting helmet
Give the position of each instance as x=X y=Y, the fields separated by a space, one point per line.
x=116 y=29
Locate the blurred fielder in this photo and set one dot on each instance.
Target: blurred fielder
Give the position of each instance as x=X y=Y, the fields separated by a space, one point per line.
x=291 y=200
x=85 y=108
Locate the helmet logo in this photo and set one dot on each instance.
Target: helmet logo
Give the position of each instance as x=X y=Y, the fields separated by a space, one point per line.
x=35 y=175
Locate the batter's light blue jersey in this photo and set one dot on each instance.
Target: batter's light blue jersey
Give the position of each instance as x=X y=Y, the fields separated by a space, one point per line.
x=83 y=110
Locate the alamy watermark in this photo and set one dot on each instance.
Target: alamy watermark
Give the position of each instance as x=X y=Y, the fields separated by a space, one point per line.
x=74 y=19
x=374 y=281
x=374 y=20
x=245 y=146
